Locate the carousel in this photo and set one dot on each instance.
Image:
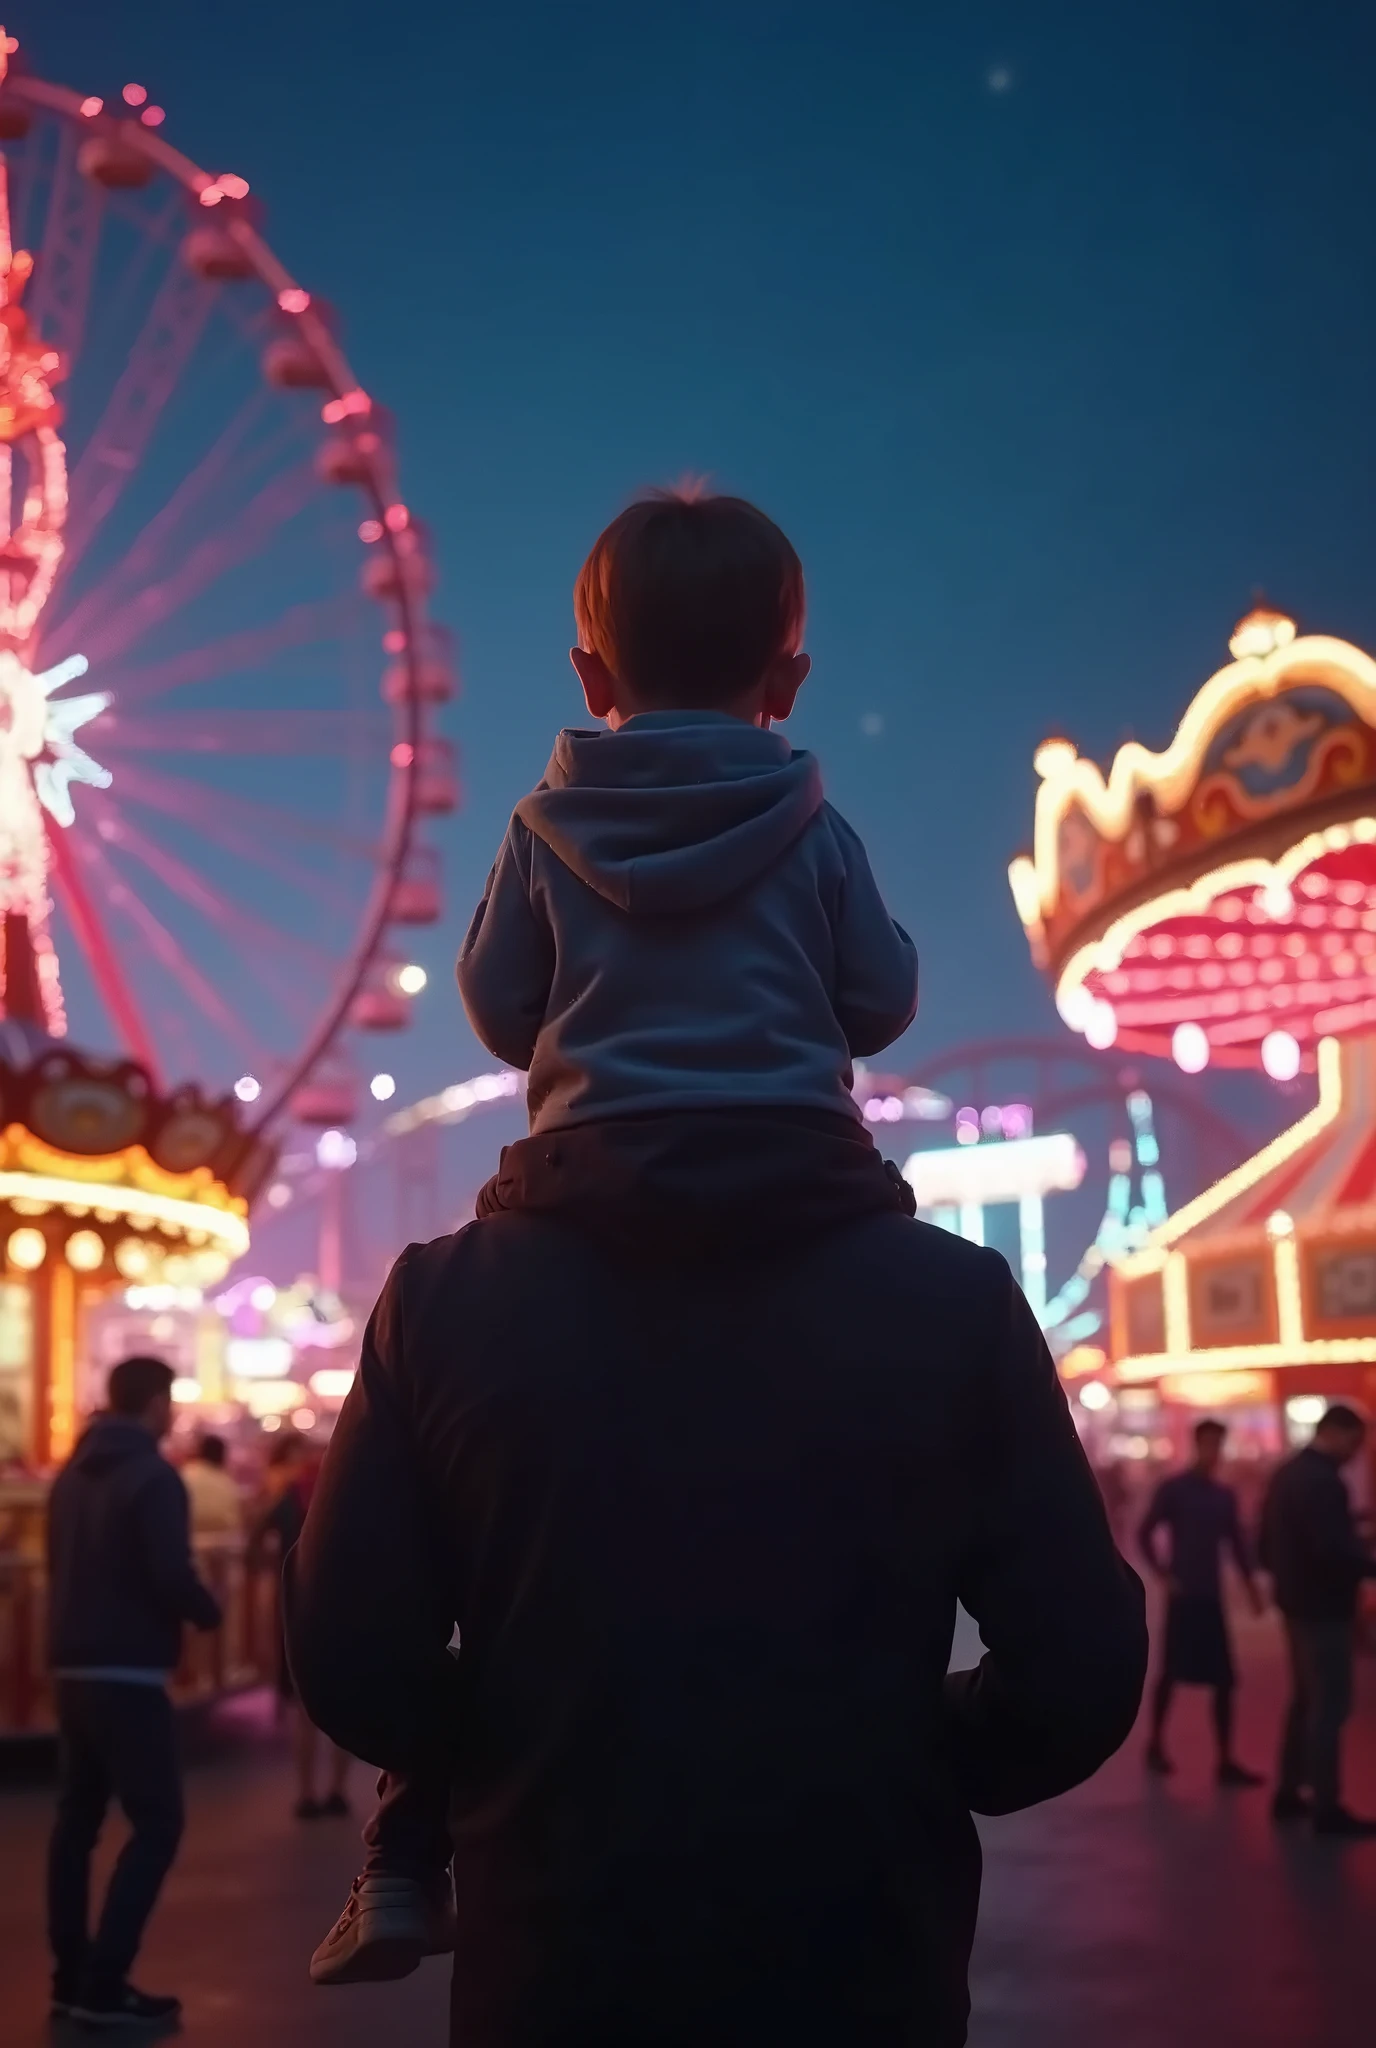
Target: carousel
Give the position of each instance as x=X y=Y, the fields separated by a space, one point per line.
x=1215 y=904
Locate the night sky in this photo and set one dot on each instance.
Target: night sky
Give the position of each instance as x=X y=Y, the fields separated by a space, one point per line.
x=1047 y=341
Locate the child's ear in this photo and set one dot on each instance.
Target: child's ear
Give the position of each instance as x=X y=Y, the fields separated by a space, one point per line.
x=599 y=685
x=783 y=683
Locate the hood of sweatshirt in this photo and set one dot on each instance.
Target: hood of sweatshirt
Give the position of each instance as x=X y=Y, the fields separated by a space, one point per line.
x=703 y=1182
x=111 y=1441
x=677 y=811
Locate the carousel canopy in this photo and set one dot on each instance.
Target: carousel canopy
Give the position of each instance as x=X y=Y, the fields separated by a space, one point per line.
x=1217 y=902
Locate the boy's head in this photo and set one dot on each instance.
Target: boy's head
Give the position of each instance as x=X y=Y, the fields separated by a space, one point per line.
x=1209 y=1439
x=690 y=603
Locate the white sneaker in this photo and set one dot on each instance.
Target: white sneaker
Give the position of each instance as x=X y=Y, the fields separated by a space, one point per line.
x=388 y=1924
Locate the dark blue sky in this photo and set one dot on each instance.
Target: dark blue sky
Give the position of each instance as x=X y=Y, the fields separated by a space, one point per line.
x=1045 y=333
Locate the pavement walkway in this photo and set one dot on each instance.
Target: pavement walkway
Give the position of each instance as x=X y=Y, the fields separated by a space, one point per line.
x=1131 y=1914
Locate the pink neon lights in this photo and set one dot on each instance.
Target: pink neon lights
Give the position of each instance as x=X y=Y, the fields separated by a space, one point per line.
x=394 y=641
x=153 y=117
x=292 y=299
x=370 y=531
x=91 y=106
x=396 y=518
x=135 y=95
x=351 y=406
x=402 y=755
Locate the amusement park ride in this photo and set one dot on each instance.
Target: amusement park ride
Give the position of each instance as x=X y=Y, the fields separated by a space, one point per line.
x=181 y=443
x=1216 y=904
x=183 y=452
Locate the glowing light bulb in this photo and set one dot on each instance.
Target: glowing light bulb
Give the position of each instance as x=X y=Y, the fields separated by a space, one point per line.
x=1101 y=1026
x=133 y=1260
x=248 y=1088
x=335 y=1151
x=135 y=95
x=1095 y=1396
x=411 y=978
x=382 y=1087
x=1190 y=1048
x=1276 y=901
x=27 y=1249
x=1280 y=1055
x=292 y=299
x=91 y=106
x=85 y=1251
x=1076 y=1006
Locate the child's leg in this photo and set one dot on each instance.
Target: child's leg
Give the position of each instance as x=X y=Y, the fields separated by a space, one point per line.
x=408 y=1834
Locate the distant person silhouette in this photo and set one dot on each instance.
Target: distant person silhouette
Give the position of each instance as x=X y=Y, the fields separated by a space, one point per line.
x=1199 y=1514
x=121 y=1587
x=1317 y=1560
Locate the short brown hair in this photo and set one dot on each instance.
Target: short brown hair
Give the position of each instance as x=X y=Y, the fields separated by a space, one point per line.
x=688 y=598
x=136 y=1383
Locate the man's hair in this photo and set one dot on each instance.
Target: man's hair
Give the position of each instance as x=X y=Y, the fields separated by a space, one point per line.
x=1210 y=1431
x=211 y=1450
x=1338 y=1416
x=136 y=1383
x=688 y=598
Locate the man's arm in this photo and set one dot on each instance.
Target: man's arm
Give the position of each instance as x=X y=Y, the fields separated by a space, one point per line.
x=165 y=1535
x=1061 y=1613
x=1156 y=1517
x=1332 y=1536
x=506 y=962
x=368 y=1619
x=876 y=961
x=1243 y=1557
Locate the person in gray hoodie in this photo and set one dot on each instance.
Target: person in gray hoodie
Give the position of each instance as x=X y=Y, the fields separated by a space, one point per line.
x=677 y=921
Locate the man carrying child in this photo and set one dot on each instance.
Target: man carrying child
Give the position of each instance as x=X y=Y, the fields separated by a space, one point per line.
x=695 y=1434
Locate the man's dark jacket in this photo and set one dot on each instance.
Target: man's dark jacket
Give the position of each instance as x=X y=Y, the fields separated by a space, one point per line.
x=1309 y=1540
x=121 y=1578
x=700 y=1439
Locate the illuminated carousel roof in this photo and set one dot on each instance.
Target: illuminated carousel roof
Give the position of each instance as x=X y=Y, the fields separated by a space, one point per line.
x=1217 y=901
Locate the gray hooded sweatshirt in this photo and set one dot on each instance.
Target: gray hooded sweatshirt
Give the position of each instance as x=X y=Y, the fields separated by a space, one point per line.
x=677 y=919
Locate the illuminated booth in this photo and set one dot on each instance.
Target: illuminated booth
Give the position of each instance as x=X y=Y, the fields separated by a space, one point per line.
x=103 y=1184
x=1216 y=904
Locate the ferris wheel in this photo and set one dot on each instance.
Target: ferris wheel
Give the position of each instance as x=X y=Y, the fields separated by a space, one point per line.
x=218 y=682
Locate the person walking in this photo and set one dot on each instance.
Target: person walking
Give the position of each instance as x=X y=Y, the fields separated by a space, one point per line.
x=1317 y=1560
x=121 y=1586
x=217 y=1506
x=1200 y=1515
x=288 y=1481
